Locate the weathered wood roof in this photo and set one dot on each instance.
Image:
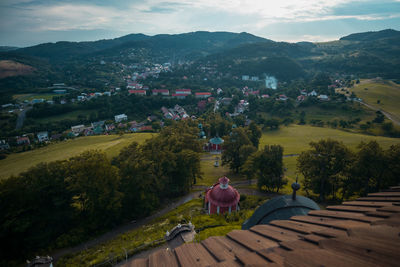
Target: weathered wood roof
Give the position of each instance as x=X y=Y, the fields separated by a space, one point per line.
x=365 y=232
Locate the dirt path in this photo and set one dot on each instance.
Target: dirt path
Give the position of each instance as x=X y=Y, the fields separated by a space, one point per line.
x=387 y=114
x=21 y=118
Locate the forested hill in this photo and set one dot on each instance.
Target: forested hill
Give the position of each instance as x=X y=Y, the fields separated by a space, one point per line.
x=365 y=54
x=179 y=45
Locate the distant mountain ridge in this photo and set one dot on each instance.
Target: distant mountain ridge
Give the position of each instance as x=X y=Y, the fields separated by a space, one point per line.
x=372 y=35
x=186 y=43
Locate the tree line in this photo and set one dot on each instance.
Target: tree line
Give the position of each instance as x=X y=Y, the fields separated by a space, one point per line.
x=62 y=203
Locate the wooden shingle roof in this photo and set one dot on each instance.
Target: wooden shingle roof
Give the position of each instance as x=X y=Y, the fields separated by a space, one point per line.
x=365 y=232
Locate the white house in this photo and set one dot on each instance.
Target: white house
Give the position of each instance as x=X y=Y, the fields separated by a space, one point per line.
x=245 y=77
x=323 y=97
x=77 y=129
x=313 y=93
x=121 y=117
x=43 y=136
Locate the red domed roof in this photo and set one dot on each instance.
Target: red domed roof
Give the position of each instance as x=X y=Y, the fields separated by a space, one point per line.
x=222 y=194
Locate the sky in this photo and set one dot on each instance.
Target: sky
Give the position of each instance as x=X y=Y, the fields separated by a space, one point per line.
x=30 y=22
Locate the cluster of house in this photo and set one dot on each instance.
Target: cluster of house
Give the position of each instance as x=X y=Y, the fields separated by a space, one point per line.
x=176 y=113
x=304 y=94
x=250 y=78
x=179 y=93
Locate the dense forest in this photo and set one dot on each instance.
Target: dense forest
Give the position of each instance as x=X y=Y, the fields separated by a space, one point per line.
x=62 y=203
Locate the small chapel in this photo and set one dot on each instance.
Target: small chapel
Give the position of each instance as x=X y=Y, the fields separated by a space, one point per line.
x=221 y=197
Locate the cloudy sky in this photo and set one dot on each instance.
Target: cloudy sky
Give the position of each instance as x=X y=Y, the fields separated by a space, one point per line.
x=29 y=22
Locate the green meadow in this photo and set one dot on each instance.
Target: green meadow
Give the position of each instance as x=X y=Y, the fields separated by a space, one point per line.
x=387 y=92
x=110 y=144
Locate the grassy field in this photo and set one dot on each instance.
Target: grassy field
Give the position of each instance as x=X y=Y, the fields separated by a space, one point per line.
x=296 y=138
x=387 y=92
x=211 y=174
x=30 y=97
x=111 y=144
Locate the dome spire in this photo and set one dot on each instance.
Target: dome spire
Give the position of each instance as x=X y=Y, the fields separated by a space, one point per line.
x=224 y=182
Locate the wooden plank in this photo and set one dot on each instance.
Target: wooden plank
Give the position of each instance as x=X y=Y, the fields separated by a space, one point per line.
x=384 y=199
x=338 y=224
x=394 y=209
x=251 y=240
x=232 y=246
x=193 y=254
x=392 y=221
x=372 y=245
x=385 y=194
x=272 y=256
x=343 y=248
x=314 y=238
x=343 y=215
x=321 y=257
x=330 y=232
x=397 y=187
x=162 y=258
x=220 y=250
x=300 y=227
x=378 y=233
x=141 y=262
x=229 y=263
x=275 y=233
x=298 y=244
x=380 y=214
x=367 y=203
x=351 y=208
x=251 y=259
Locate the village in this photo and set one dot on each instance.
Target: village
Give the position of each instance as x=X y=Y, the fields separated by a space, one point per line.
x=135 y=85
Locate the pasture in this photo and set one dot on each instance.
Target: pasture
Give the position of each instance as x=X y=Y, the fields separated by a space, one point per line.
x=110 y=144
x=387 y=92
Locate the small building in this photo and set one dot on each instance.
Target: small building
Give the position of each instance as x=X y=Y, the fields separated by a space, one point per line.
x=215 y=144
x=203 y=94
x=313 y=93
x=183 y=91
x=245 y=77
x=43 y=136
x=323 y=97
x=97 y=124
x=164 y=92
x=221 y=198
x=301 y=98
x=137 y=92
x=23 y=140
x=282 y=98
x=4 y=145
x=77 y=129
x=120 y=117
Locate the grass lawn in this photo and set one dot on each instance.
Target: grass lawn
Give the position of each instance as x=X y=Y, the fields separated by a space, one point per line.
x=211 y=174
x=143 y=237
x=111 y=144
x=387 y=92
x=296 y=138
x=30 y=97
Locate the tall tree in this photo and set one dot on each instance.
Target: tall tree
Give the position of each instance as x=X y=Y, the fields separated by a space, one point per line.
x=234 y=147
x=323 y=166
x=266 y=165
x=94 y=183
x=254 y=134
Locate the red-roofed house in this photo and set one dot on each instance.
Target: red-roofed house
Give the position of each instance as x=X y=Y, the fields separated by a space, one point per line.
x=203 y=95
x=23 y=140
x=160 y=92
x=137 y=92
